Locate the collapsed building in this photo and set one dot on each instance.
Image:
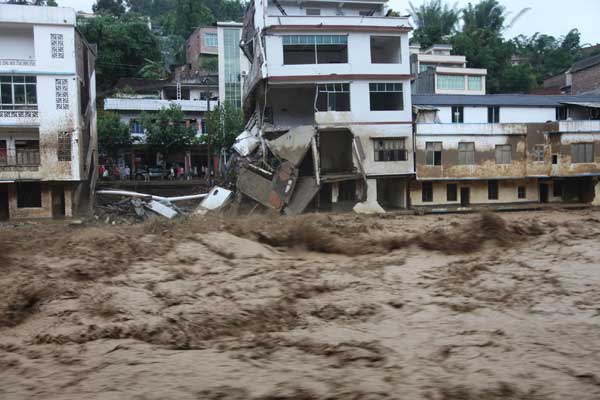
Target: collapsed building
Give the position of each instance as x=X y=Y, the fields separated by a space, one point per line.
x=329 y=106
x=48 y=141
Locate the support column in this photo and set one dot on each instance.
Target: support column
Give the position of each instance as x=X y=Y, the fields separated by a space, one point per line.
x=68 y=201
x=370 y=205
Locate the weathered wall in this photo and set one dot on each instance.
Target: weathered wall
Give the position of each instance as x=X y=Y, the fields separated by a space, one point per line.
x=586 y=80
x=508 y=115
x=565 y=165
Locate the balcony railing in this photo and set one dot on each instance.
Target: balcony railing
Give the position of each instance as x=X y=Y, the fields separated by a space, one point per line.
x=14 y=62
x=19 y=158
x=19 y=114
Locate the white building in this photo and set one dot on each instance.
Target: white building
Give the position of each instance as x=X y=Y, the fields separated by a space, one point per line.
x=437 y=71
x=335 y=74
x=233 y=66
x=48 y=141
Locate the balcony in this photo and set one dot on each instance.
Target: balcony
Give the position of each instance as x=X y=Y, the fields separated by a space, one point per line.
x=19 y=118
x=337 y=23
x=156 y=105
x=579 y=127
x=19 y=158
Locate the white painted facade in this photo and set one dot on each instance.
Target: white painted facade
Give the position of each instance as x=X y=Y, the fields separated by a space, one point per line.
x=41 y=43
x=508 y=115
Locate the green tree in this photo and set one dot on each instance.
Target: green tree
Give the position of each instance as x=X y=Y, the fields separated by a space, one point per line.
x=166 y=131
x=109 y=7
x=435 y=22
x=518 y=79
x=154 y=70
x=224 y=124
x=186 y=16
x=210 y=64
x=113 y=135
x=124 y=45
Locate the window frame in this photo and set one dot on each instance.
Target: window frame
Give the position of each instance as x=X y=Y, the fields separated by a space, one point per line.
x=588 y=150
x=474 y=88
x=493 y=189
x=427 y=195
x=461 y=114
x=394 y=154
x=386 y=87
x=500 y=150
x=450 y=82
x=494 y=115
x=465 y=153
x=28 y=83
x=539 y=150
x=32 y=188
x=210 y=38
x=331 y=90
x=433 y=156
x=521 y=192
x=452 y=195
x=314 y=41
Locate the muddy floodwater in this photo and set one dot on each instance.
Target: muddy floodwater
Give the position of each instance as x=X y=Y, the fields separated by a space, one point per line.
x=448 y=307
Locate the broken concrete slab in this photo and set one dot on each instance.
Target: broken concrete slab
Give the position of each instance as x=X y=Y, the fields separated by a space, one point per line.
x=293 y=145
x=161 y=209
x=306 y=190
x=284 y=182
x=255 y=186
x=217 y=198
x=246 y=143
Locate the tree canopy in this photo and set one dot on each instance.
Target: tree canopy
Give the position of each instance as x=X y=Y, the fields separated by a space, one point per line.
x=166 y=131
x=435 y=22
x=113 y=135
x=224 y=124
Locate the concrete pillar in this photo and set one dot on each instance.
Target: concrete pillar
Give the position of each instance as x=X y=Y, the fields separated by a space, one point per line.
x=68 y=202
x=596 y=201
x=370 y=205
x=335 y=192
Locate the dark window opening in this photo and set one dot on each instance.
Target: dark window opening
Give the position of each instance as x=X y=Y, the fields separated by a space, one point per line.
x=557 y=190
x=347 y=191
x=315 y=49
x=29 y=195
x=385 y=50
x=494 y=115
x=452 y=192
x=333 y=97
x=386 y=96
x=562 y=113
x=492 y=190
x=458 y=115
x=427 y=192
x=335 y=149
x=433 y=153
x=390 y=149
x=522 y=192
x=554 y=159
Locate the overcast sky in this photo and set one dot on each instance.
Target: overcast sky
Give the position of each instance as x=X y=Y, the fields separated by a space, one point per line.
x=553 y=17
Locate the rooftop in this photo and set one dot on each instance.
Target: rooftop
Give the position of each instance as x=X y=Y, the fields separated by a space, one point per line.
x=27 y=14
x=506 y=100
x=585 y=63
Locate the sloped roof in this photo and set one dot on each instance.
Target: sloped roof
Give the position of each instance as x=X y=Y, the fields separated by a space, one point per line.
x=585 y=63
x=506 y=100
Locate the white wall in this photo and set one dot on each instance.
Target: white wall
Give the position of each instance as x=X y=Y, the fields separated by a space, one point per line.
x=17 y=43
x=299 y=9
x=508 y=115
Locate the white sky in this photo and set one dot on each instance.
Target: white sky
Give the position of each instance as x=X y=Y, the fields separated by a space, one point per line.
x=553 y=17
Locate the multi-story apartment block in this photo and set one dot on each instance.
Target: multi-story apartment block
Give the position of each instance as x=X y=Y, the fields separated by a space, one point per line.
x=48 y=160
x=329 y=93
x=202 y=45
x=506 y=149
x=437 y=71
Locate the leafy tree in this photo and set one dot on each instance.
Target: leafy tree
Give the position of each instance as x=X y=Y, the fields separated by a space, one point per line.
x=166 y=131
x=124 y=45
x=173 y=49
x=224 y=124
x=435 y=22
x=154 y=70
x=113 y=135
x=518 y=79
x=186 y=16
x=109 y=7
x=210 y=64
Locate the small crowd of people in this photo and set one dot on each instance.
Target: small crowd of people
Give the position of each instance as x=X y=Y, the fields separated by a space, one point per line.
x=175 y=172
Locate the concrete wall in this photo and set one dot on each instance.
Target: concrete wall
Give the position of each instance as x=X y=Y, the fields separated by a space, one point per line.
x=17 y=43
x=586 y=80
x=294 y=8
x=479 y=115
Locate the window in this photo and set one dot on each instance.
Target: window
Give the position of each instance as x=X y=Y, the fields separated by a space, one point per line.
x=503 y=154
x=475 y=83
x=27 y=152
x=18 y=93
x=522 y=192
x=231 y=61
x=136 y=127
x=211 y=40
x=433 y=153
x=29 y=195
x=427 y=192
x=62 y=94
x=582 y=153
x=57 y=45
x=333 y=97
x=538 y=152
x=458 y=115
x=493 y=115
x=64 y=146
x=492 y=190
x=390 y=149
x=554 y=159
x=425 y=67
x=557 y=189
x=315 y=49
x=562 y=113
x=466 y=153
x=313 y=11
x=385 y=50
x=451 y=192
x=451 y=82
x=386 y=96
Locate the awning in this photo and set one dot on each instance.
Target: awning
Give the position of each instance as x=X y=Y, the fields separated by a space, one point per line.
x=582 y=104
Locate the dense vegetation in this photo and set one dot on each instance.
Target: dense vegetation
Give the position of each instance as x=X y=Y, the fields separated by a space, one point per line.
x=477 y=31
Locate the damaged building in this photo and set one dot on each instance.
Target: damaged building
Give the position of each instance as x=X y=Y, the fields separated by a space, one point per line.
x=48 y=135
x=329 y=105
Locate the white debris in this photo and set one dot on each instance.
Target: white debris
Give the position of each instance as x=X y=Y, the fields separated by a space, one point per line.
x=216 y=199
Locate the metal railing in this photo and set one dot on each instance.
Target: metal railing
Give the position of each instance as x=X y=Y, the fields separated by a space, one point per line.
x=19 y=158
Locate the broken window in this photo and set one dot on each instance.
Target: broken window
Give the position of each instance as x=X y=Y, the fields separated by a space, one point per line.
x=538 y=152
x=494 y=115
x=64 y=146
x=29 y=195
x=452 y=192
x=492 y=190
x=18 y=93
x=386 y=96
x=522 y=192
x=466 y=153
x=503 y=154
x=427 y=192
x=385 y=50
x=333 y=97
x=458 y=115
x=582 y=153
x=390 y=149
x=433 y=153
x=315 y=49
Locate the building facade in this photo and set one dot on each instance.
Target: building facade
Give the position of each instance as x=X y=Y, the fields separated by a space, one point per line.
x=48 y=141
x=202 y=45
x=502 y=150
x=329 y=94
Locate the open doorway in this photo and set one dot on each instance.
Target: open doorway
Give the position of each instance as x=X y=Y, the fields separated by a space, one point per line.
x=465 y=197
x=58 y=202
x=4 y=206
x=544 y=192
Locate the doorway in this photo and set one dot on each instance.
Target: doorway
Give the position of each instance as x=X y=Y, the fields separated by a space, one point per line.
x=4 y=210
x=544 y=192
x=58 y=202
x=465 y=197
